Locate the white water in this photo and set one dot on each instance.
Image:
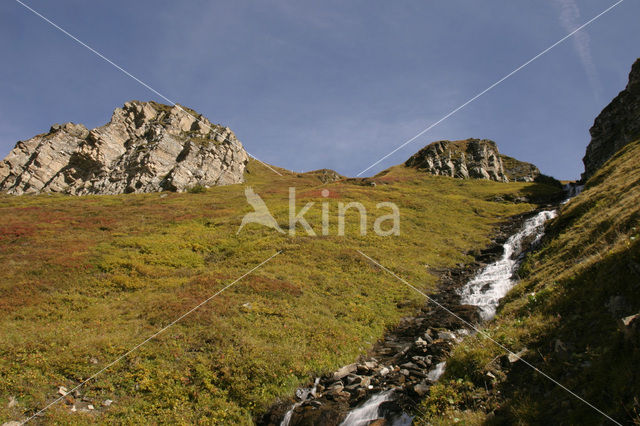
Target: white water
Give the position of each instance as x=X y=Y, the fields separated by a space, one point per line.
x=494 y=281
x=368 y=411
x=572 y=189
x=302 y=394
x=435 y=374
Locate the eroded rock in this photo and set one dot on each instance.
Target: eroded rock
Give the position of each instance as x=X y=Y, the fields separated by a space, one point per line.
x=146 y=147
x=465 y=159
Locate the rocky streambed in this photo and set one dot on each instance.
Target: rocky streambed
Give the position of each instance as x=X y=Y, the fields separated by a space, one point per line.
x=385 y=387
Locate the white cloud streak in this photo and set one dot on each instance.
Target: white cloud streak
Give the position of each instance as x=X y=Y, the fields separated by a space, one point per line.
x=570 y=20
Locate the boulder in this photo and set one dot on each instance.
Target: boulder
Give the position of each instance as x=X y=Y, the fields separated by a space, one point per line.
x=345 y=371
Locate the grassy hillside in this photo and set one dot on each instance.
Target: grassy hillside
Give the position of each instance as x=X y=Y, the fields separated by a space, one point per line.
x=566 y=313
x=85 y=279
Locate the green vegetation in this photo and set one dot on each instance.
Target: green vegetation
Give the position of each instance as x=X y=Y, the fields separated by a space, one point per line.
x=566 y=312
x=85 y=279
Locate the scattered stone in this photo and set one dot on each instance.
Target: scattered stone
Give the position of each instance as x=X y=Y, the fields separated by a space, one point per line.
x=107 y=403
x=384 y=371
x=630 y=327
x=421 y=388
x=463 y=332
x=428 y=338
x=90 y=407
x=409 y=365
x=446 y=335
x=13 y=402
x=93 y=360
x=345 y=371
x=63 y=391
x=371 y=364
x=515 y=357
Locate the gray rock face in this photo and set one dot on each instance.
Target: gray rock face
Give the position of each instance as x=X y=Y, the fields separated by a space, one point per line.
x=470 y=158
x=146 y=147
x=617 y=125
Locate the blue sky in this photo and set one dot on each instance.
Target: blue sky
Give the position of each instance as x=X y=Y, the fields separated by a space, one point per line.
x=335 y=84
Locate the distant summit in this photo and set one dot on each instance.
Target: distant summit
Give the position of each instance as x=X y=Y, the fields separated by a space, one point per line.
x=146 y=147
x=616 y=126
x=471 y=159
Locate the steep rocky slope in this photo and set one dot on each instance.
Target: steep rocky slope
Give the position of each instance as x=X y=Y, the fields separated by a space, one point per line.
x=573 y=316
x=464 y=159
x=146 y=147
x=617 y=125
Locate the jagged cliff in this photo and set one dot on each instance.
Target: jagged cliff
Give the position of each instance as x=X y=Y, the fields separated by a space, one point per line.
x=470 y=158
x=616 y=126
x=146 y=147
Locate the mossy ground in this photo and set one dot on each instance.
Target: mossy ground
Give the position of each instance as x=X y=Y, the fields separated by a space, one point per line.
x=565 y=311
x=91 y=277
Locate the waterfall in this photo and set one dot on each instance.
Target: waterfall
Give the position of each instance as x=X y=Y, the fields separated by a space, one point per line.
x=485 y=291
x=302 y=394
x=494 y=281
x=370 y=411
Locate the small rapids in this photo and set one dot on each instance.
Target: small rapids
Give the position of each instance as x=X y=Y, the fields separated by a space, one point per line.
x=301 y=394
x=435 y=374
x=494 y=281
x=370 y=409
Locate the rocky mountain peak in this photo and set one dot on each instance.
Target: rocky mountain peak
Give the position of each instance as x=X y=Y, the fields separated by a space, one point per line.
x=469 y=158
x=616 y=126
x=146 y=147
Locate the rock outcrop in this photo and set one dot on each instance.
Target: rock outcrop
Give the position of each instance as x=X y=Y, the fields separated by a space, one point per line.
x=617 y=125
x=470 y=158
x=326 y=175
x=146 y=147
x=519 y=171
